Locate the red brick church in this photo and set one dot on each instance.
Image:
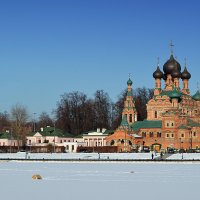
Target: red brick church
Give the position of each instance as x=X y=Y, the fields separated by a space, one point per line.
x=173 y=115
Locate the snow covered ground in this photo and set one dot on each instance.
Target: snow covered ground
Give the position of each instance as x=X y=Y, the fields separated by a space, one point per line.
x=78 y=155
x=107 y=156
x=96 y=181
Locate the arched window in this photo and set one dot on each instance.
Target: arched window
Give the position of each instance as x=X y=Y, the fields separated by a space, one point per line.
x=156 y=114
x=130 y=118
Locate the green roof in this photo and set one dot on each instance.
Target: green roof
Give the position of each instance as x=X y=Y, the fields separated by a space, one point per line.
x=171 y=93
x=51 y=131
x=124 y=122
x=109 y=132
x=182 y=127
x=6 y=135
x=193 y=123
x=129 y=82
x=196 y=96
x=175 y=93
x=146 y=124
x=129 y=93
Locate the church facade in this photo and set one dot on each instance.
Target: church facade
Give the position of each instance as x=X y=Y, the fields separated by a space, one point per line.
x=173 y=114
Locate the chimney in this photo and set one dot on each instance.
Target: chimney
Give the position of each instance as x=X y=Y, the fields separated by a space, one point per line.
x=98 y=130
x=103 y=130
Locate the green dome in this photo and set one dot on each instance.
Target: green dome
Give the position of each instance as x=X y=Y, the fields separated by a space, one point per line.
x=124 y=122
x=175 y=94
x=129 y=82
x=196 y=96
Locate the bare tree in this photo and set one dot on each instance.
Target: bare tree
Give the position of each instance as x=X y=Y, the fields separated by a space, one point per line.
x=102 y=109
x=142 y=96
x=44 y=120
x=19 y=116
x=4 y=121
x=75 y=113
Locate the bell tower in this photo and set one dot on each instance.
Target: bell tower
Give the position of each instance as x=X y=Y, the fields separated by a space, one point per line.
x=129 y=105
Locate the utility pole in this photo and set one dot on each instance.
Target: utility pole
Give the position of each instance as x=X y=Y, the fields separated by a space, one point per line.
x=10 y=140
x=54 y=146
x=34 y=122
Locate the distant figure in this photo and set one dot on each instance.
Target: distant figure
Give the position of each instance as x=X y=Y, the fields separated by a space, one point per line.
x=161 y=155
x=152 y=156
x=99 y=156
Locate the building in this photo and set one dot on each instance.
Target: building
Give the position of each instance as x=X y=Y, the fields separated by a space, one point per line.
x=124 y=137
x=48 y=135
x=8 y=142
x=7 y=139
x=71 y=147
x=95 y=138
x=173 y=115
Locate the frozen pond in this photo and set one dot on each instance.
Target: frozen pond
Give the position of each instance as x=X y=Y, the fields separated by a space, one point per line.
x=70 y=180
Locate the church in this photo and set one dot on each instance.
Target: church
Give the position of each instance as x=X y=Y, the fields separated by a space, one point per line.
x=173 y=114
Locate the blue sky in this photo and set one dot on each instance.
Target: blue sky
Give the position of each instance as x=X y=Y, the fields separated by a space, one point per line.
x=49 y=47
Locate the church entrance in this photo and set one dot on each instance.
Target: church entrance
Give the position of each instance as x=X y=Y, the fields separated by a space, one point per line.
x=156 y=147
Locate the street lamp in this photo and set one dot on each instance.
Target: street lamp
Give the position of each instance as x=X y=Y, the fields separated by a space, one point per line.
x=34 y=122
x=125 y=127
x=10 y=139
x=54 y=146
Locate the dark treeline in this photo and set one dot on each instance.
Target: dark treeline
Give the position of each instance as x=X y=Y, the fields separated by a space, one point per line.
x=76 y=113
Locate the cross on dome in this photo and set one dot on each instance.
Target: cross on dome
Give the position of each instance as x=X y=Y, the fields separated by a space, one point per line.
x=171 y=47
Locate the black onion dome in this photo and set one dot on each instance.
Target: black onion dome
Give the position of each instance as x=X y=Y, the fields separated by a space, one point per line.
x=165 y=77
x=176 y=73
x=170 y=65
x=158 y=73
x=185 y=74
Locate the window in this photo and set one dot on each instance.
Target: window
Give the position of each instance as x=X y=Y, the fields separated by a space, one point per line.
x=172 y=135
x=29 y=141
x=172 y=124
x=194 y=134
x=156 y=114
x=167 y=124
x=72 y=147
x=68 y=140
x=130 y=118
x=182 y=135
x=60 y=141
x=151 y=134
x=143 y=134
x=158 y=134
x=67 y=147
x=39 y=141
x=167 y=135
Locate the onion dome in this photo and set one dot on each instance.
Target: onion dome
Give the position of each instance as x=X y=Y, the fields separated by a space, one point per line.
x=185 y=74
x=129 y=82
x=175 y=94
x=196 y=96
x=158 y=74
x=165 y=77
x=176 y=73
x=171 y=65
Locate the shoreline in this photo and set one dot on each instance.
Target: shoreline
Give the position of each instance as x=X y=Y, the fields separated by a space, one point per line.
x=102 y=160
